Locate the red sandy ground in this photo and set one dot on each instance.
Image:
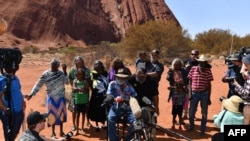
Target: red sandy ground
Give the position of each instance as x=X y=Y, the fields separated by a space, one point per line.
x=29 y=73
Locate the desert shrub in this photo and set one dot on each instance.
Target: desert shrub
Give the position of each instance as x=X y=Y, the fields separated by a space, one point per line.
x=30 y=49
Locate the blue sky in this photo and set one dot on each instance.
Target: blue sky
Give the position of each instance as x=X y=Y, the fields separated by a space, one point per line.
x=198 y=16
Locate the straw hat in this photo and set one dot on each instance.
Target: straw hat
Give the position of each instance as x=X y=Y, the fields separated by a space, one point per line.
x=123 y=73
x=203 y=58
x=232 y=103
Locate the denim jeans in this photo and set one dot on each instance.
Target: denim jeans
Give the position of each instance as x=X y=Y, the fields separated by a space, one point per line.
x=113 y=116
x=197 y=97
x=17 y=120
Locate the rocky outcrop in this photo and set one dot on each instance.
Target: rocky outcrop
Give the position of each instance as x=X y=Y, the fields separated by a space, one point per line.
x=76 y=22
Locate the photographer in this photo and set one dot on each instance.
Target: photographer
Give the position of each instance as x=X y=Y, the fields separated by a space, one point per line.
x=233 y=73
x=244 y=91
x=230 y=115
x=36 y=123
x=11 y=102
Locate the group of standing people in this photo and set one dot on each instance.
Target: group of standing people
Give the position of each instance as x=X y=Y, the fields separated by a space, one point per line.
x=190 y=83
x=90 y=87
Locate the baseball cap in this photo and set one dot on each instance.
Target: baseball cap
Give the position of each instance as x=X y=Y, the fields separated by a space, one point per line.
x=35 y=117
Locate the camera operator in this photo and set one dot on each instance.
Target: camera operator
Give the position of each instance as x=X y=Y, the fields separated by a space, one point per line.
x=244 y=91
x=230 y=114
x=233 y=73
x=36 y=123
x=11 y=102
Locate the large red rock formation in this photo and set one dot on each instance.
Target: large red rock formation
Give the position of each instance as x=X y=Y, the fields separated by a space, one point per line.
x=58 y=23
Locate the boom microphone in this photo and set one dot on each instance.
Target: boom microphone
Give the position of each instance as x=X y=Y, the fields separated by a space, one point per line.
x=135 y=107
x=108 y=100
x=148 y=102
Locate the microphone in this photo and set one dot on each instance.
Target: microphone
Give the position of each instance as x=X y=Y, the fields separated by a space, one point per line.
x=148 y=102
x=135 y=107
x=108 y=100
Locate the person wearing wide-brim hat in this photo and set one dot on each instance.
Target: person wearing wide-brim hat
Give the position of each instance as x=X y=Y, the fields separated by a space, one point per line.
x=230 y=115
x=200 y=78
x=122 y=74
x=121 y=90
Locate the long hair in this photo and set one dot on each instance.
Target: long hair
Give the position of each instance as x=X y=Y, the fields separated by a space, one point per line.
x=77 y=58
x=176 y=61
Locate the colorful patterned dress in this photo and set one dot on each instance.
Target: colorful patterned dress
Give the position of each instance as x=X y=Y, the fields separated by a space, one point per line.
x=55 y=102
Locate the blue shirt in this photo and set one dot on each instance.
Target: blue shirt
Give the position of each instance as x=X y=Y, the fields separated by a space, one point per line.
x=15 y=91
x=115 y=90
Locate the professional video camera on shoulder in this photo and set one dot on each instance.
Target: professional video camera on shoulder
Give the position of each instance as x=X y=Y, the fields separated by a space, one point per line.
x=10 y=56
x=244 y=51
x=237 y=55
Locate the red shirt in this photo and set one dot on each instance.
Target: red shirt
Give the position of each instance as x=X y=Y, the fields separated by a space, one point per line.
x=200 y=79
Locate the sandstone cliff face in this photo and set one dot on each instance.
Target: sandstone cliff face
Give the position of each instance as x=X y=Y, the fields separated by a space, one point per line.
x=75 y=22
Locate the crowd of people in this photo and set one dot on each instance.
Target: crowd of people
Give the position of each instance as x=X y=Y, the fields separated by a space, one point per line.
x=102 y=95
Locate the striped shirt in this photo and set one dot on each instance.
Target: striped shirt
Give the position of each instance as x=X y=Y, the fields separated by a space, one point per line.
x=200 y=79
x=245 y=90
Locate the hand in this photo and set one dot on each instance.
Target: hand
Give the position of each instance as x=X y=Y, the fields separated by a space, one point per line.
x=28 y=97
x=209 y=102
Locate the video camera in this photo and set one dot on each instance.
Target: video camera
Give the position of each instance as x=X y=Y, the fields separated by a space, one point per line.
x=242 y=52
x=10 y=56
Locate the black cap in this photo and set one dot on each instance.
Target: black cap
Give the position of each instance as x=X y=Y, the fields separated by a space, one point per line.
x=36 y=117
x=235 y=57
